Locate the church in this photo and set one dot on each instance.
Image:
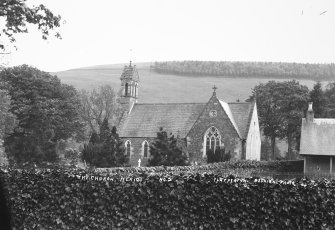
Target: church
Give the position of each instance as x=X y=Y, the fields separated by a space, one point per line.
x=200 y=126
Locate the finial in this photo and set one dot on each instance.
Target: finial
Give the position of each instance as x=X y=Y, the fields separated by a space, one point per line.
x=214 y=90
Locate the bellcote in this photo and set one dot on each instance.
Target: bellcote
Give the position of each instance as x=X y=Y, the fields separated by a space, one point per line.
x=130 y=81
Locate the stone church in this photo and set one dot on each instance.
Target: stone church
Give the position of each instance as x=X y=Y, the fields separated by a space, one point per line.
x=199 y=126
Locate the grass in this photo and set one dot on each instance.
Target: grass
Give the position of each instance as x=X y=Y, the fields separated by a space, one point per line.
x=163 y=88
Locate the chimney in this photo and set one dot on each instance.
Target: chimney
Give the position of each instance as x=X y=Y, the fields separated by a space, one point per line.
x=310 y=113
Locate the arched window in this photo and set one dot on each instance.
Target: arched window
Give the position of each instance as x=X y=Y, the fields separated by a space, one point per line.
x=212 y=139
x=145 y=149
x=126 y=89
x=128 y=146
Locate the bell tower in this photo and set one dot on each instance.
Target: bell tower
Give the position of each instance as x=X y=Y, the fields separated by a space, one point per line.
x=129 y=85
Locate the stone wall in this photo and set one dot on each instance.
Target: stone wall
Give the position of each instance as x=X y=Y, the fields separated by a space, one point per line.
x=136 y=151
x=221 y=121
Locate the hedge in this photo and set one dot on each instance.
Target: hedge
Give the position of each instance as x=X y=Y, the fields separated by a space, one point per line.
x=56 y=199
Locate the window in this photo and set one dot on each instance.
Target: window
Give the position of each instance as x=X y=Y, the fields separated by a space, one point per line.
x=145 y=149
x=212 y=139
x=126 y=89
x=128 y=146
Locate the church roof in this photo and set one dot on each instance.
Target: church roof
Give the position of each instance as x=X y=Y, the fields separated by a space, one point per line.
x=178 y=118
x=317 y=137
x=146 y=119
x=242 y=113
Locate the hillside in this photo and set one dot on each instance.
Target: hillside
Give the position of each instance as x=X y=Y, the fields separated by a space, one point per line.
x=158 y=88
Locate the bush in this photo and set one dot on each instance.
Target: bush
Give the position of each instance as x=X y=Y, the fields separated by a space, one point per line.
x=53 y=199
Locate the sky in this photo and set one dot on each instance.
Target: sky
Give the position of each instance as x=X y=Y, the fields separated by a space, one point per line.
x=116 y=31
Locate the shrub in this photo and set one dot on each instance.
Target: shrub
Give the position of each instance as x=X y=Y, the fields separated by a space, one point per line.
x=54 y=199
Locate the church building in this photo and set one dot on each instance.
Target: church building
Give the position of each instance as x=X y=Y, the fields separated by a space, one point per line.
x=199 y=126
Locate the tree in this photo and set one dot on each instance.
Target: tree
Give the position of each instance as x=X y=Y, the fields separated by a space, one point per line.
x=7 y=119
x=108 y=151
x=17 y=15
x=99 y=104
x=46 y=112
x=268 y=110
x=165 y=151
x=319 y=100
x=281 y=106
x=330 y=100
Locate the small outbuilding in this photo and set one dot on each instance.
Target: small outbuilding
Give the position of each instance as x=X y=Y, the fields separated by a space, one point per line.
x=317 y=144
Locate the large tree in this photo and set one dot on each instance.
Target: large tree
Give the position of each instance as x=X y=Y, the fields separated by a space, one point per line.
x=319 y=100
x=166 y=151
x=99 y=104
x=17 y=15
x=268 y=110
x=281 y=106
x=46 y=112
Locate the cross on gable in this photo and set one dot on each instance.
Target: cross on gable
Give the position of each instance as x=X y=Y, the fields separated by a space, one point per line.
x=214 y=89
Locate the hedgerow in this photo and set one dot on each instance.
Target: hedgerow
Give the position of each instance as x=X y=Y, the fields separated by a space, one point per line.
x=58 y=199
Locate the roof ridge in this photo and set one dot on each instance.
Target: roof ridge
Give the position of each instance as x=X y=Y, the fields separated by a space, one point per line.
x=239 y=102
x=173 y=103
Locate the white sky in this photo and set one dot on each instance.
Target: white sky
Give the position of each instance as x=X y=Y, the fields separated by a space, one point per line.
x=104 y=31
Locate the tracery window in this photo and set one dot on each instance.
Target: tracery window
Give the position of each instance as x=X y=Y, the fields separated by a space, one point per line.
x=212 y=139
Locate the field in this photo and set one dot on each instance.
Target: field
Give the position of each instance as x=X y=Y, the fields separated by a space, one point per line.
x=161 y=88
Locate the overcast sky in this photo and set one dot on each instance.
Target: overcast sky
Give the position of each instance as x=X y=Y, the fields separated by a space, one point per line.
x=104 y=32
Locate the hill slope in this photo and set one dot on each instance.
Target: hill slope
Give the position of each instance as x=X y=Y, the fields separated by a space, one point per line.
x=164 y=88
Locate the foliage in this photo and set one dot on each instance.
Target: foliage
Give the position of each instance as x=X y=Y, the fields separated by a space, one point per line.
x=266 y=150
x=247 y=69
x=329 y=94
x=54 y=199
x=319 y=101
x=281 y=106
x=17 y=15
x=105 y=150
x=219 y=155
x=7 y=119
x=46 y=112
x=165 y=151
x=99 y=104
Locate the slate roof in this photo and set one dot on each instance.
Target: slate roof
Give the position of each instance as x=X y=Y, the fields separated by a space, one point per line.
x=178 y=118
x=317 y=137
x=130 y=72
x=146 y=119
x=242 y=113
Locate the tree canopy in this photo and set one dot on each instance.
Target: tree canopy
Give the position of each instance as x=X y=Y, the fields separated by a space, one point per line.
x=281 y=106
x=46 y=111
x=99 y=104
x=18 y=15
x=105 y=150
x=165 y=151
